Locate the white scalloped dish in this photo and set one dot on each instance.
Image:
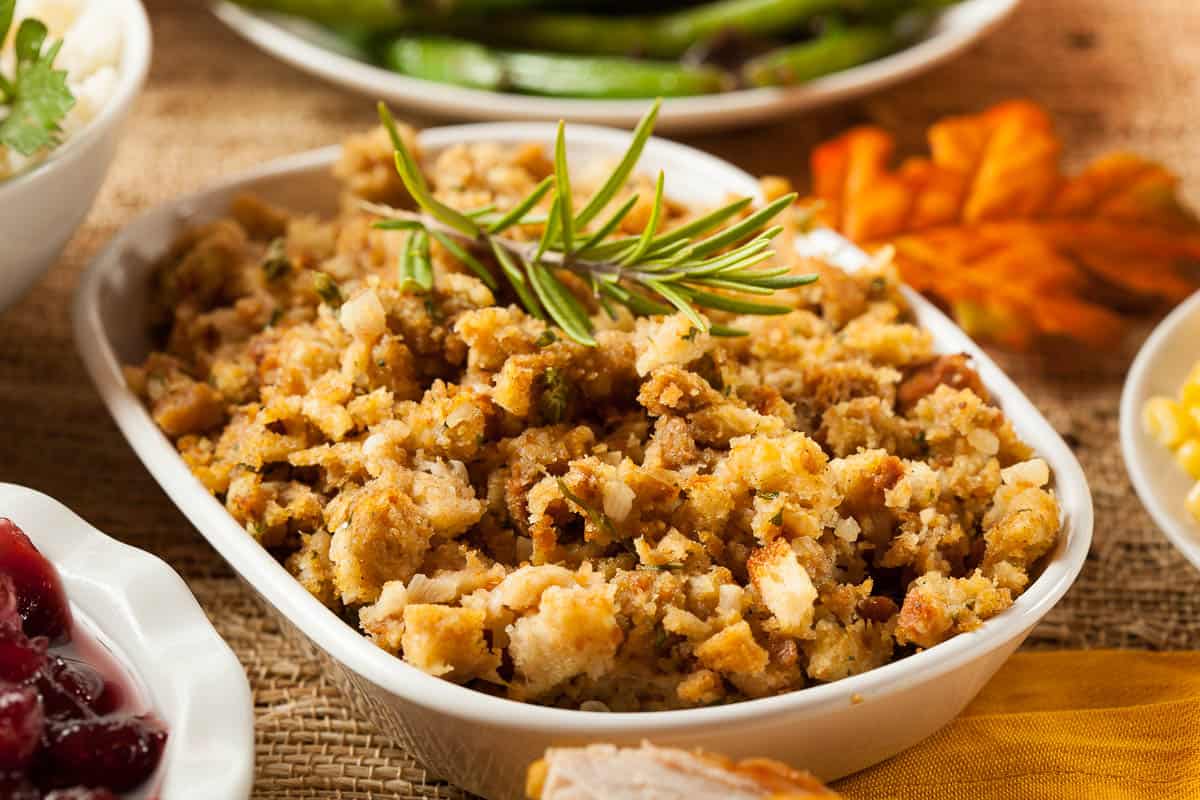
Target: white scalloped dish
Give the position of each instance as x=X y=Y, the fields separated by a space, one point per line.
x=484 y=743
x=143 y=614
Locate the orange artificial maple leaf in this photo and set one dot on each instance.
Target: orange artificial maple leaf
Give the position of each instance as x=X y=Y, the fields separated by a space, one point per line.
x=990 y=227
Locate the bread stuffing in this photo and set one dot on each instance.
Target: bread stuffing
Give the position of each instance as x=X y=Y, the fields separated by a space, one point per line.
x=666 y=519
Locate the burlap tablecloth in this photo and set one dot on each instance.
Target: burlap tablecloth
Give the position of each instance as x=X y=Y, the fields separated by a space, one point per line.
x=1115 y=74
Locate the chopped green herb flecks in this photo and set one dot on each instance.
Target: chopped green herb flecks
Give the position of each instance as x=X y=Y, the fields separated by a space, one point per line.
x=598 y=518
x=276 y=263
x=433 y=310
x=327 y=289
x=554 y=401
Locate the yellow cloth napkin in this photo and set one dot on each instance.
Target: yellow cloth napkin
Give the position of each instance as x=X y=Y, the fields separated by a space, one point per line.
x=1073 y=724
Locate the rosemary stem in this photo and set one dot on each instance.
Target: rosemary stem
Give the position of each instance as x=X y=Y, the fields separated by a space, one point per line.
x=681 y=271
x=524 y=251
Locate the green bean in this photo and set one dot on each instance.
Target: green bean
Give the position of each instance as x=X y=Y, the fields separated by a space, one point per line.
x=610 y=77
x=435 y=58
x=665 y=35
x=836 y=50
x=448 y=60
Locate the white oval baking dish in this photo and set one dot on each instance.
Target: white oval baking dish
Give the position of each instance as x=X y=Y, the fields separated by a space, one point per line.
x=484 y=743
x=146 y=616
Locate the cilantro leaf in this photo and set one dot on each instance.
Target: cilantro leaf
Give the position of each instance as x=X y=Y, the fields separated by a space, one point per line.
x=7 y=9
x=38 y=97
x=30 y=38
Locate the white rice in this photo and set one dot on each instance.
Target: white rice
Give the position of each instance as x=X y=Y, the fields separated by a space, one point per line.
x=91 y=55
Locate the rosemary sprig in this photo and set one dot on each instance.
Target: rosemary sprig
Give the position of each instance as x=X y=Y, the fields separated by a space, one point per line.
x=699 y=265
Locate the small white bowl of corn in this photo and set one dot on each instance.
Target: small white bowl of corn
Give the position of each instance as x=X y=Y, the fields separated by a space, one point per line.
x=1160 y=426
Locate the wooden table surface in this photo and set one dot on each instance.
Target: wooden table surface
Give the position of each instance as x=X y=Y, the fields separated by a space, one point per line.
x=1115 y=74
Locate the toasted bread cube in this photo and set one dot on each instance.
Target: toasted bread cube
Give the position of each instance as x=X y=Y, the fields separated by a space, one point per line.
x=784 y=586
x=448 y=641
x=733 y=651
x=574 y=632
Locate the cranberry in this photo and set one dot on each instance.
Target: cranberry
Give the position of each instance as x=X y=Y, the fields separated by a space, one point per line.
x=72 y=689
x=40 y=597
x=55 y=728
x=20 y=658
x=81 y=793
x=15 y=786
x=118 y=753
x=21 y=724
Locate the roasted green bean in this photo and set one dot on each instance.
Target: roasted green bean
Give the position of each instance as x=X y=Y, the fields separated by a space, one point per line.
x=666 y=35
x=448 y=60
x=833 y=51
x=610 y=76
x=435 y=58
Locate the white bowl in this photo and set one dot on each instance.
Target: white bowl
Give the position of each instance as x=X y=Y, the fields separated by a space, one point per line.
x=144 y=614
x=309 y=48
x=484 y=743
x=41 y=209
x=1160 y=368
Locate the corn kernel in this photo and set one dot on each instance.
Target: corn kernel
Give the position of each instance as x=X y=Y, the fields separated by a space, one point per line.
x=1193 y=501
x=1166 y=421
x=1188 y=456
x=1189 y=393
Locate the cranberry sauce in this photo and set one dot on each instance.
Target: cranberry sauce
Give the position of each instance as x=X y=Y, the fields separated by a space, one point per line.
x=69 y=727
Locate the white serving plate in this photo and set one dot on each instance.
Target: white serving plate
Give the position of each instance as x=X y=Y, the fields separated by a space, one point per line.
x=308 y=48
x=145 y=615
x=1160 y=368
x=484 y=743
x=41 y=209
